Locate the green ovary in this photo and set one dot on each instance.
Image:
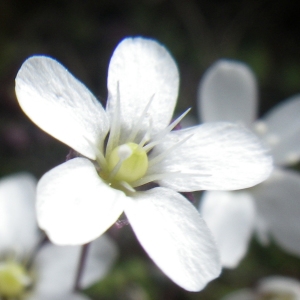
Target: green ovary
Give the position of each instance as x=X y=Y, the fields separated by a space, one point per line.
x=133 y=165
x=13 y=279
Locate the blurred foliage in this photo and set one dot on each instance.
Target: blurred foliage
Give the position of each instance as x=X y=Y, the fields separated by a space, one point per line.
x=82 y=35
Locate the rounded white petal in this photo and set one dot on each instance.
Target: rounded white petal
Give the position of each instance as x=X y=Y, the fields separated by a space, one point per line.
x=228 y=92
x=18 y=226
x=277 y=201
x=61 y=105
x=230 y=217
x=216 y=156
x=74 y=206
x=56 y=266
x=244 y=294
x=283 y=131
x=175 y=237
x=142 y=69
x=280 y=285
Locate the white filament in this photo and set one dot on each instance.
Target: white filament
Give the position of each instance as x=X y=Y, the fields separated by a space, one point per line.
x=114 y=133
x=157 y=139
x=163 y=154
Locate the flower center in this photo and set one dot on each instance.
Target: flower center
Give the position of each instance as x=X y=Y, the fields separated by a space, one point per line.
x=13 y=279
x=127 y=162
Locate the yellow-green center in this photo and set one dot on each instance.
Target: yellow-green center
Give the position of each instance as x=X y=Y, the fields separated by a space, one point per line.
x=128 y=162
x=13 y=279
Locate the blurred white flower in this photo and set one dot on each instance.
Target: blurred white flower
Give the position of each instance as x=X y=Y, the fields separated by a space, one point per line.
x=127 y=151
x=269 y=288
x=228 y=92
x=30 y=271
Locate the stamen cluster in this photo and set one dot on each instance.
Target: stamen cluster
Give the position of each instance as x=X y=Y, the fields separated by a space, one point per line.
x=125 y=166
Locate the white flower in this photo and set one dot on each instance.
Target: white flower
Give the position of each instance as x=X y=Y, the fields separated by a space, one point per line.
x=228 y=92
x=128 y=148
x=273 y=287
x=50 y=272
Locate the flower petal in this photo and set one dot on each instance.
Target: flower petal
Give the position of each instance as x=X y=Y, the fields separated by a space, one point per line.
x=65 y=296
x=283 y=131
x=175 y=237
x=230 y=217
x=18 y=227
x=142 y=69
x=228 y=92
x=74 y=206
x=52 y=263
x=101 y=255
x=278 y=203
x=61 y=105
x=243 y=294
x=280 y=286
x=262 y=230
x=216 y=156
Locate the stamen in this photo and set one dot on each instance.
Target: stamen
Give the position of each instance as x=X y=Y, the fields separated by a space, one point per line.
x=137 y=126
x=151 y=145
x=167 y=175
x=123 y=152
x=154 y=177
x=99 y=155
x=147 y=135
x=163 y=154
x=114 y=133
x=127 y=186
x=156 y=139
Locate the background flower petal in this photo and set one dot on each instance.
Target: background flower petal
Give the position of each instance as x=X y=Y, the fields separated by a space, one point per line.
x=56 y=266
x=65 y=296
x=228 y=92
x=243 y=294
x=175 y=237
x=230 y=217
x=101 y=255
x=217 y=156
x=18 y=228
x=277 y=201
x=61 y=105
x=143 y=69
x=280 y=285
x=283 y=131
x=74 y=206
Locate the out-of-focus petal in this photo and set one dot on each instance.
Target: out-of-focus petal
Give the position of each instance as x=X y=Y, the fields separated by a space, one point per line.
x=278 y=202
x=101 y=255
x=18 y=227
x=274 y=287
x=61 y=105
x=282 y=131
x=287 y=288
x=175 y=237
x=141 y=69
x=64 y=296
x=230 y=217
x=74 y=205
x=244 y=294
x=216 y=156
x=56 y=266
x=228 y=92
x=262 y=230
